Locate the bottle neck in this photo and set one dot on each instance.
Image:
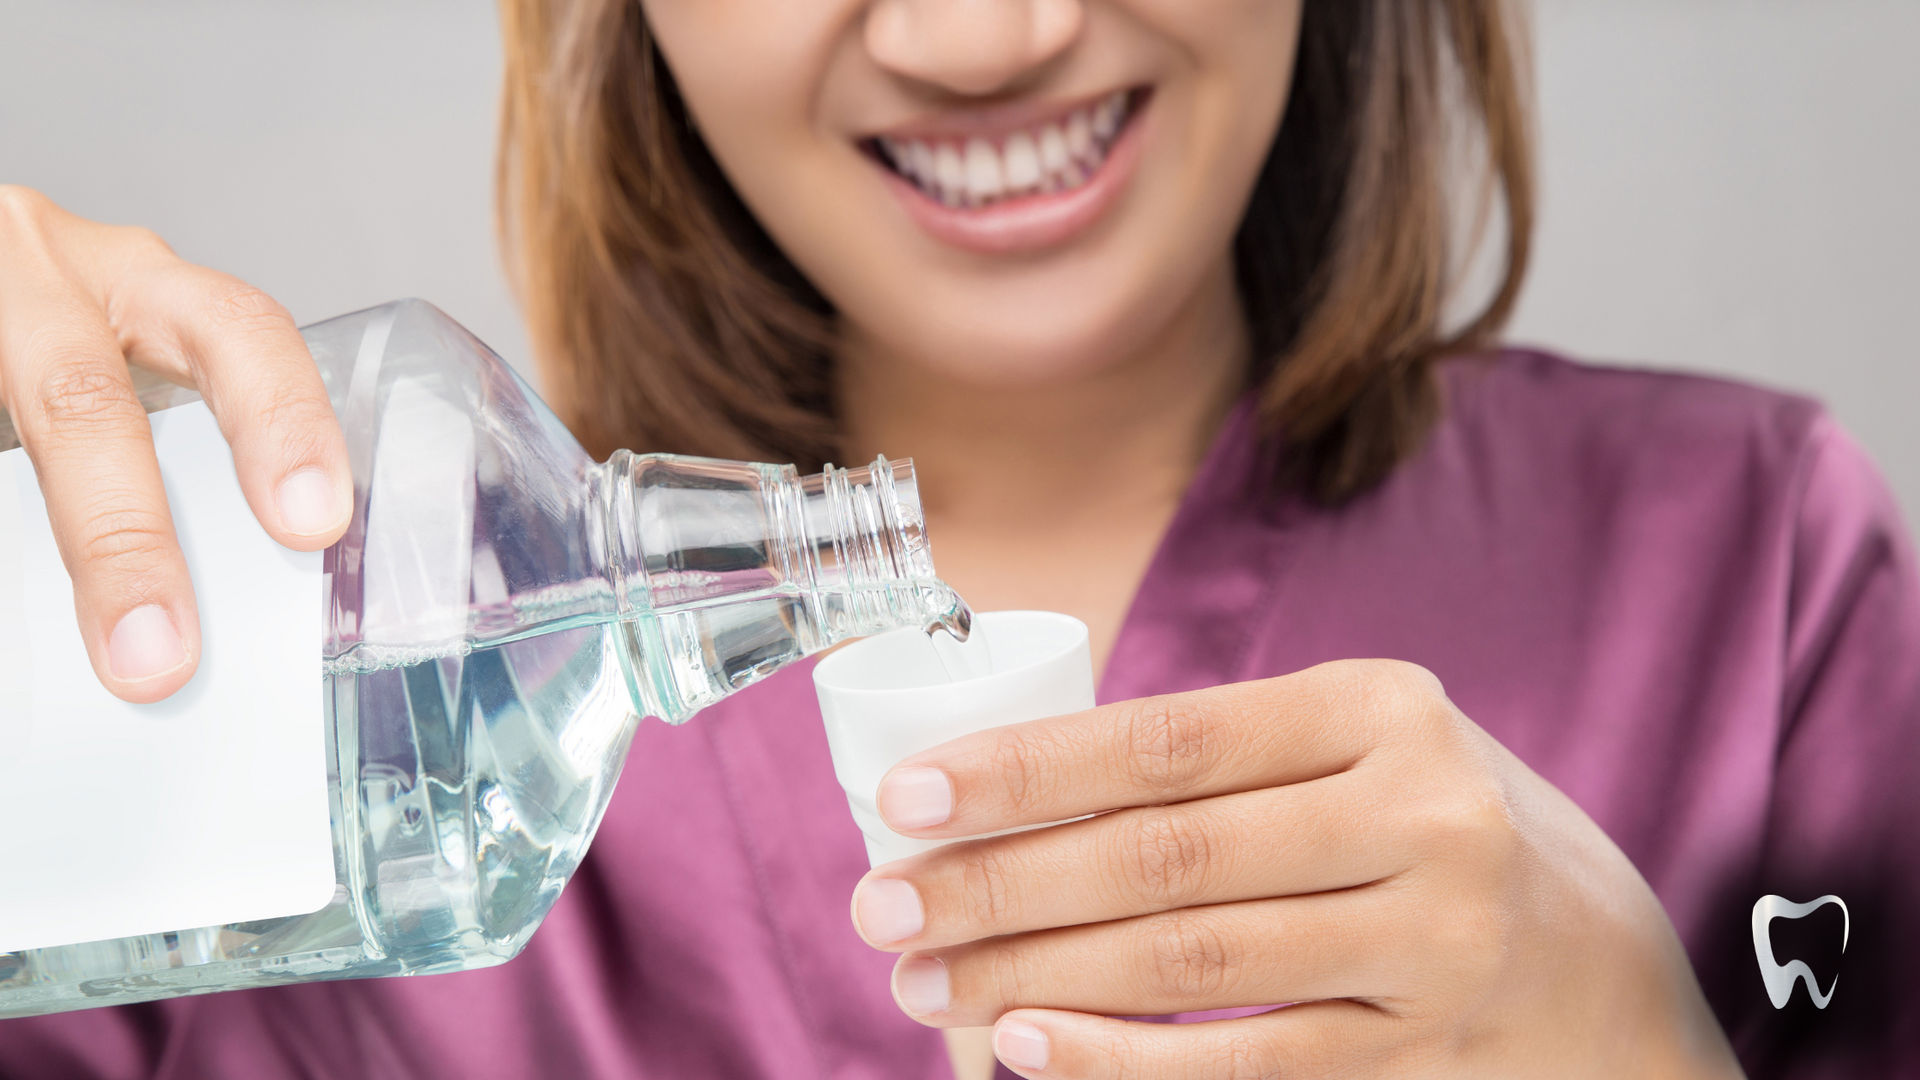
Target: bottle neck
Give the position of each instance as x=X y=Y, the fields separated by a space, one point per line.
x=738 y=569
x=865 y=539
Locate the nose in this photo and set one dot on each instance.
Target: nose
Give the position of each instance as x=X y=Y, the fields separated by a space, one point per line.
x=970 y=46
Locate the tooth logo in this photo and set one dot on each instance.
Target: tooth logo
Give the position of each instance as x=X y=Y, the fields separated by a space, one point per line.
x=1780 y=978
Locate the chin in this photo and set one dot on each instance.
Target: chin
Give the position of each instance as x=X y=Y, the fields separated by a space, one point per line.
x=985 y=344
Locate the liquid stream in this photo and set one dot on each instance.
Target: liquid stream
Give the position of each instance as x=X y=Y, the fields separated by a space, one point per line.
x=963 y=653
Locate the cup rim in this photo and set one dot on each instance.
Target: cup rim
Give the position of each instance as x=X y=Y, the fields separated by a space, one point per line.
x=823 y=671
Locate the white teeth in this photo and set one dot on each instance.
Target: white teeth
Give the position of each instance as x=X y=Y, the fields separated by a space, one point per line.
x=984 y=180
x=1022 y=162
x=1052 y=157
x=1106 y=117
x=1080 y=136
x=900 y=154
x=951 y=173
x=920 y=163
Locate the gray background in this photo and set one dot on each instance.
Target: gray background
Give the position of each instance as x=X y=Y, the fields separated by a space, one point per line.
x=1729 y=185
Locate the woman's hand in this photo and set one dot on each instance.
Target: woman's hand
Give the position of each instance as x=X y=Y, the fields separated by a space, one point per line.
x=1342 y=838
x=79 y=301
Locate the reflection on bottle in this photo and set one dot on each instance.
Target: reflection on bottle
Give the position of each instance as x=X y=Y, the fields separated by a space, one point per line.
x=501 y=613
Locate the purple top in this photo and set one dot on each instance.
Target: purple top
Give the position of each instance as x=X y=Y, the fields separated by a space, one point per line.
x=1689 y=604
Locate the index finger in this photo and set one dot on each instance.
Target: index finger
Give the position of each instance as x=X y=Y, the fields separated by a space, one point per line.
x=77 y=416
x=242 y=351
x=1158 y=750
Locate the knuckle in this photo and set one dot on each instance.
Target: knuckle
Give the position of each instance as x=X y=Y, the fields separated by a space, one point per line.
x=1470 y=819
x=81 y=392
x=30 y=228
x=1164 y=855
x=1166 y=740
x=1405 y=697
x=1192 y=960
x=121 y=546
x=1017 y=760
x=1243 y=1056
x=142 y=241
x=988 y=895
x=1481 y=809
x=236 y=305
x=1011 y=974
x=1406 y=683
x=1466 y=927
x=297 y=418
x=23 y=206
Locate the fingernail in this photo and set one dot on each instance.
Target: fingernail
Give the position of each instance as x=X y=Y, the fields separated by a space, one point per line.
x=1020 y=1045
x=145 y=643
x=915 y=798
x=920 y=985
x=888 y=910
x=307 y=503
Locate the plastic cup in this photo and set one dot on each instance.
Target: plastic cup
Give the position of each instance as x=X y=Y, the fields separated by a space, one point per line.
x=887 y=697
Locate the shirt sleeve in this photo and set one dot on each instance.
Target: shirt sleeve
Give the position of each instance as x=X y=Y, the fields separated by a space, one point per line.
x=1844 y=819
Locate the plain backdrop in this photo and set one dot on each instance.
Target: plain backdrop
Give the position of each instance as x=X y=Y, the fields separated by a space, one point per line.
x=1730 y=186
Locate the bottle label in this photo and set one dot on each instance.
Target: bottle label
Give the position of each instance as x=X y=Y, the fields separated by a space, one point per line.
x=207 y=808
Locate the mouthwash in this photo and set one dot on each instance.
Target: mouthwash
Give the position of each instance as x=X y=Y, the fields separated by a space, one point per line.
x=961 y=647
x=500 y=615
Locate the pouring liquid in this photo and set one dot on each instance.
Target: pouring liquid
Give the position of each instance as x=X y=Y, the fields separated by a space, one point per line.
x=961 y=646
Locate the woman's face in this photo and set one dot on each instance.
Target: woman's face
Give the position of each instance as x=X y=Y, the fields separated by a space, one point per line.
x=1003 y=191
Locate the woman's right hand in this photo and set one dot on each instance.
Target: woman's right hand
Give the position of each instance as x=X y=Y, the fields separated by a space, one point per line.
x=79 y=301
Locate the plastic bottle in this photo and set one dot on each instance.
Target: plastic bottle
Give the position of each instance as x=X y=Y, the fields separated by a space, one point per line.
x=502 y=612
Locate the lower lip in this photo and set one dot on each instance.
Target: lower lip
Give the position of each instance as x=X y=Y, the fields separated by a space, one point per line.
x=1032 y=222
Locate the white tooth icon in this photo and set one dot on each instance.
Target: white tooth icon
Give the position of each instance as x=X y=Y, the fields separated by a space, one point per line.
x=1780 y=978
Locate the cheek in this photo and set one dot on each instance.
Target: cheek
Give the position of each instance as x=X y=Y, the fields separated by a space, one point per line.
x=756 y=75
x=1243 y=54
x=749 y=71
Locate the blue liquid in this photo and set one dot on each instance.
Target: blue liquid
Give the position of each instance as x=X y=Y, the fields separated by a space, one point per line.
x=479 y=779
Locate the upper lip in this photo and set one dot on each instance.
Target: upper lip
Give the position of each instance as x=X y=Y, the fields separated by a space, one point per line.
x=988 y=121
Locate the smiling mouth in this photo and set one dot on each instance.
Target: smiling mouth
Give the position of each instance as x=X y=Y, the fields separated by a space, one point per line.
x=982 y=171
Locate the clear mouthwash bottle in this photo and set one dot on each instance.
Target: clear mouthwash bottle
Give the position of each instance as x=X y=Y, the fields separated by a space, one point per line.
x=501 y=613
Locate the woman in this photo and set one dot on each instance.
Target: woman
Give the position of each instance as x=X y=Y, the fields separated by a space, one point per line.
x=1158 y=297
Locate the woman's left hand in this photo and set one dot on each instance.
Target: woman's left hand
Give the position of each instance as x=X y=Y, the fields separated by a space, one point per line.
x=1341 y=838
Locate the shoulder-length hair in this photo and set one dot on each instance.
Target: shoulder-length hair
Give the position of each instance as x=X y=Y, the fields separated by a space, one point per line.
x=666 y=319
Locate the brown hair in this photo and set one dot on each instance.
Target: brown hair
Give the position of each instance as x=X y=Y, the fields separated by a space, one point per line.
x=666 y=318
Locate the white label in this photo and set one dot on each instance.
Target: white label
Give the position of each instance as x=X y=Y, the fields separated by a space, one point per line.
x=207 y=808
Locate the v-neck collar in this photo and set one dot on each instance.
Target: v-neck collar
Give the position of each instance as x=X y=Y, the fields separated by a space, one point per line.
x=1208 y=586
